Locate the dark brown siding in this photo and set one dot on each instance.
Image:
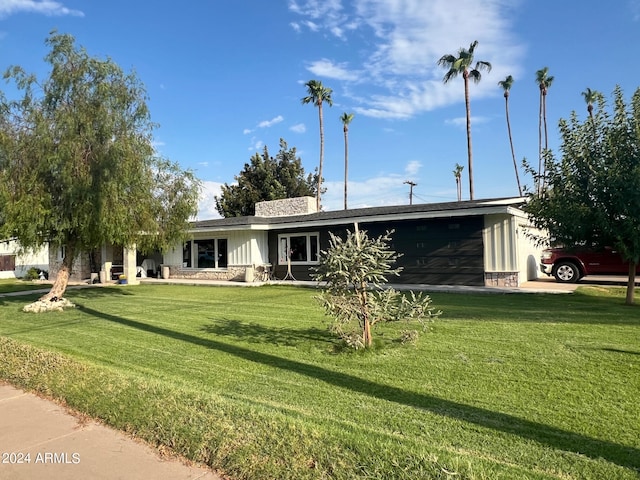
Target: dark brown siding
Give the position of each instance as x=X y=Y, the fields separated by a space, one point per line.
x=7 y=263
x=436 y=252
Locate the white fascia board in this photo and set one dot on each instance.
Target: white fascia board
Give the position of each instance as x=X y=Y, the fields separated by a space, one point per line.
x=489 y=209
x=395 y=217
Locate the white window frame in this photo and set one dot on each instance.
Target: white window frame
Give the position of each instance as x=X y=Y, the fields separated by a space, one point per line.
x=284 y=248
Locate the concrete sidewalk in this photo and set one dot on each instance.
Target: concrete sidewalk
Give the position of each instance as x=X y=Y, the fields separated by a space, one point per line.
x=40 y=439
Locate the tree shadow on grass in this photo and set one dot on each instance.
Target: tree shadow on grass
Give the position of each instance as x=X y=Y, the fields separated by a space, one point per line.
x=256 y=333
x=625 y=456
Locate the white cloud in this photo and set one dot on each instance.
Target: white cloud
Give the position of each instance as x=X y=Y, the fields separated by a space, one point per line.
x=256 y=145
x=207 y=203
x=413 y=167
x=247 y=131
x=461 y=122
x=411 y=35
x=272 y=122
x=373 y=192
x=326 y=68
x=44 y=7
x=298 y=128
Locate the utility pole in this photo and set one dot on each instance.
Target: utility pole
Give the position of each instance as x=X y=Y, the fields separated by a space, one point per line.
x=411 y=185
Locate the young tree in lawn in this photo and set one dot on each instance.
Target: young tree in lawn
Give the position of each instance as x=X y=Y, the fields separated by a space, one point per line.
x=317 y=94
x=77 y=164
x=544 y=81
x=591 y=196
x=462 y=64
x=265 y=178
x=355 y=268
x=346 y=119
x=506 y=85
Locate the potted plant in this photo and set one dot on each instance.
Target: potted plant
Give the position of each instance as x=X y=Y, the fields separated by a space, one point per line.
x=122 y=279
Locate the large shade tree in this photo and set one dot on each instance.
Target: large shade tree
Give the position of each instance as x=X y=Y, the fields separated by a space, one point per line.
x=591 y=195
x=77 y=164
x=318 y=94
x=266 y=178
x=462 y=64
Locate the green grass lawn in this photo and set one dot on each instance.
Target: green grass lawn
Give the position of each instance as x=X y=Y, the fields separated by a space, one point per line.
x=248 y=380
x=17 y=285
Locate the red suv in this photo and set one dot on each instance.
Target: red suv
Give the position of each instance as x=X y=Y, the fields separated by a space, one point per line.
x=570 y=265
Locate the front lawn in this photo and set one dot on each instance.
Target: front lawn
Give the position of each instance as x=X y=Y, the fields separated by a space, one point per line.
x=249 y=381
x=11 y=285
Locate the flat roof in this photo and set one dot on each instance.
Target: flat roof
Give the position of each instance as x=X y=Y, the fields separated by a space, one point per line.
x=369 y=214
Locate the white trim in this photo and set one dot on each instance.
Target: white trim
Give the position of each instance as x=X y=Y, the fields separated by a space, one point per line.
x=282 y=260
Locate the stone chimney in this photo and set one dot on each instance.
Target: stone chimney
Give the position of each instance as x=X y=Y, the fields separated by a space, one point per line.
x=286 y=207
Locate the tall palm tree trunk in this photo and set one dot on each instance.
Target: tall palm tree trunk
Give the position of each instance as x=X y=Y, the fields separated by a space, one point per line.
x=546 y=135
x=539 y=187
x=346 y=163
x=469 y=154
x=513 y=153
x=319 y=193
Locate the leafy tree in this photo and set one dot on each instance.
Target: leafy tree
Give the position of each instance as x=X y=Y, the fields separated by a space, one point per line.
x=462 y=64
x=506 y=85
x=77 y=165
x=317 y=94
x=355 y=268
x=265 y=178
x=544 y=81
x=592 y=194
x=346 y=119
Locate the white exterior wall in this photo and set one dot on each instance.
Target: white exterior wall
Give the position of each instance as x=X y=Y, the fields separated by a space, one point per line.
x=245 y=248
x=528 y=252
x=500 y=250
x=38 y=259
x=508 y=249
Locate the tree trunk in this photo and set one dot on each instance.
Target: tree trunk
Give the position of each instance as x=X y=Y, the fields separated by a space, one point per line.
x=631 y=284
x=539 y=188
x=546 y=135
x=513 y=153
x=367 y=339
x=465 y=76
x=59 y=286
x=346 y=163
x=321 y=156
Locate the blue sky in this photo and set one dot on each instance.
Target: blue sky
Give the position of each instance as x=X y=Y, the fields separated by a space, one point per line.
x=225 y=78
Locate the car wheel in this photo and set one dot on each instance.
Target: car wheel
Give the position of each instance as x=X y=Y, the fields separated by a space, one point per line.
x=566 y=272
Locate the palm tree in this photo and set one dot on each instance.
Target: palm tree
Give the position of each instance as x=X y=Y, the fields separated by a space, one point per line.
x=591 y=96
x=346 y=118
x=544 y=81
x=317 y=94
x=458 y=174
x=506 y=85
x=461 y=64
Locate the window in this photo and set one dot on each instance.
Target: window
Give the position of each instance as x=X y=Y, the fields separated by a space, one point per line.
x=299 y=248
x=206 y=253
